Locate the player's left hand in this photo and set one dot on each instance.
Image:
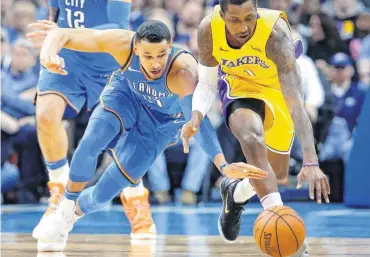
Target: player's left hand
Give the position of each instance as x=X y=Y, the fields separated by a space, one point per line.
x=190 y=129
x=40 y=30
x=241 y=170
x=316 y=179
x=54 y=64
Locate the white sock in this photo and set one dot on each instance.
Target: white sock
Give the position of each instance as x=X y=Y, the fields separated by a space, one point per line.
x=60 y=175
x=134 y=191
x=270 y=200
x=243 y=191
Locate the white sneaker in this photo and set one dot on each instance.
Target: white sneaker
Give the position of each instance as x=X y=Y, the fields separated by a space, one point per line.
x=52 y=231
x=303 y=251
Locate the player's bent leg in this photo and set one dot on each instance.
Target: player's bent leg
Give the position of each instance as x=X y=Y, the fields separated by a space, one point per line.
x=102 y=128
x=54 y=143
x=247 y=126
x=54 y=229
x=280 y=166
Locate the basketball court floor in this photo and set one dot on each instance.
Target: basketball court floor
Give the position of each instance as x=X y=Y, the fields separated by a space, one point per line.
x=332 y=230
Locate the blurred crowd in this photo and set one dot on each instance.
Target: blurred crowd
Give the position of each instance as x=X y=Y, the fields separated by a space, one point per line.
x=335 y=69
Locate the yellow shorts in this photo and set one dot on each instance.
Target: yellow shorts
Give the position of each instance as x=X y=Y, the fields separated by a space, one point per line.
x=278 y=125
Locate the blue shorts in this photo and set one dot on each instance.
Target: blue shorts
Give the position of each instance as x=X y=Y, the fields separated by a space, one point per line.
x=77 y=88
x=147 y=133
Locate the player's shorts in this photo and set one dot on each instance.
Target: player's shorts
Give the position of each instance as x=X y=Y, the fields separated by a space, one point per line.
x=77 y=88
x=147 y=133
x=278 y=125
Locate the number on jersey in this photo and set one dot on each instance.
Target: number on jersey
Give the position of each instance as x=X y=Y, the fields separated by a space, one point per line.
x=75 y=18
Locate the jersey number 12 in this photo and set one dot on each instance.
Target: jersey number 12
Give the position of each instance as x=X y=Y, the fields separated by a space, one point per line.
x=75 y=18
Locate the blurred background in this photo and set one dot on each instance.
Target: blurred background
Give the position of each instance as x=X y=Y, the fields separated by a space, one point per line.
x=336 y=74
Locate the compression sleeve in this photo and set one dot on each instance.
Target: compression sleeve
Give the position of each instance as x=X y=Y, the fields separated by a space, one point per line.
x=118 y=12
x=206 y=90
x=53 y=3
x=206 y=136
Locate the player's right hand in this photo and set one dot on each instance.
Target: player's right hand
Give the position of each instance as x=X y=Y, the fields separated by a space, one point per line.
x=241 y=170
x=54 y=64
x=39 y=31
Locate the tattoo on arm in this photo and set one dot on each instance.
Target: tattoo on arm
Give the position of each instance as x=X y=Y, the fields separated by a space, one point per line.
x=280 y=50
x=205 y=43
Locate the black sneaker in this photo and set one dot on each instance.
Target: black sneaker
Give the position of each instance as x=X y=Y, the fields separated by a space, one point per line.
x=229 y=220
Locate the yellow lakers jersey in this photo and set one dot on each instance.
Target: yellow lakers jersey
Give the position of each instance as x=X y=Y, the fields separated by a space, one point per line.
x=249 y=62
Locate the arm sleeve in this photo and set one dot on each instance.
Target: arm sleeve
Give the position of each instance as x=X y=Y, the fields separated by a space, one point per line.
x=118 y=12
x=53 y=3
x=206 y=90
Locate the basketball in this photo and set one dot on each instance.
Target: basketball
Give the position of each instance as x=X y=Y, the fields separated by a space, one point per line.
x=279 y=231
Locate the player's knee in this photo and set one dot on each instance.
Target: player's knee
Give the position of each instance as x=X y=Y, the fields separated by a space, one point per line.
x=252 y=139
x=49 y=111
x=98 y=134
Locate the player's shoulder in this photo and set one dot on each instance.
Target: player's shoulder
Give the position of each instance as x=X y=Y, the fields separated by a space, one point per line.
x=280 y=32
x=184 y=61
x=205 y=26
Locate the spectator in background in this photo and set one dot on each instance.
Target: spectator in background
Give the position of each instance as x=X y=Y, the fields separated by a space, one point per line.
x=5 y=49
x=364 y=62
x=18 y=78
x=349 y=98
x=6 y=5
x=197 y=165
x=18 y=84
x=174 y=8
x=137 y=16
x=190 y=17
x=325 y=41
x=22 y=14
x=345 y=14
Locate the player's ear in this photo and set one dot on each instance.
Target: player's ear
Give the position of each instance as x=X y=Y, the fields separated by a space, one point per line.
x=169 y=47
x=135 y=48
x=222 y=15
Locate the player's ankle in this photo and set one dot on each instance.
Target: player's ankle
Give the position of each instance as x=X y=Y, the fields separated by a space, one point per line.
x=243 y=191
x=270 y=200
x=58 y=171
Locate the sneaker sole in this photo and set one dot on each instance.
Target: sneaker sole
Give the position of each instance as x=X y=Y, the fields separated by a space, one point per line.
x=50 y=246
x=143 y=236
x=219 y=223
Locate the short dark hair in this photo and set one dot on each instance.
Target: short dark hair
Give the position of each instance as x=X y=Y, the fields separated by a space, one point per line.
x=153 y=31
x=224 y=3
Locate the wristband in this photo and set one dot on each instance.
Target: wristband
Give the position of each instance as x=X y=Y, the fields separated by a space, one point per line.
x=222 y=167
x=311 y=164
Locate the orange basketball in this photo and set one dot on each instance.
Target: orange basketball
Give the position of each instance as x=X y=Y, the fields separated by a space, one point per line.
x=279 y=231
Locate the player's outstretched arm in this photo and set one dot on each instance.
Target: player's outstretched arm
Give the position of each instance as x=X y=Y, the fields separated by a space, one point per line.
x=182 y=81
x=116 y=42
x=280 y=49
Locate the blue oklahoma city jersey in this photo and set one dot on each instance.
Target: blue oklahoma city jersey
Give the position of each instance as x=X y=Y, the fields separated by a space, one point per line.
x=153 y=93
x=87 y=14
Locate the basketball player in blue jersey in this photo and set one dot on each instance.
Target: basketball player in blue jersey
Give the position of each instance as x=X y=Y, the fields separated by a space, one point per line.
x=140 y=113
x=63 y=96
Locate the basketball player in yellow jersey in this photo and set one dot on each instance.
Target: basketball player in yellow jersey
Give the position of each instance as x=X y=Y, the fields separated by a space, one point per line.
x=259 y=84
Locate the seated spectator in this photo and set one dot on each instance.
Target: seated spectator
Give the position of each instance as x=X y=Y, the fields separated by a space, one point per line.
x=190 y=17
x=345 y=14
x=325 y=41
x=18 y=79
x=349 y=98
x=18 y=122
x=363 y=63
x=22 y=14
x=196 y=167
